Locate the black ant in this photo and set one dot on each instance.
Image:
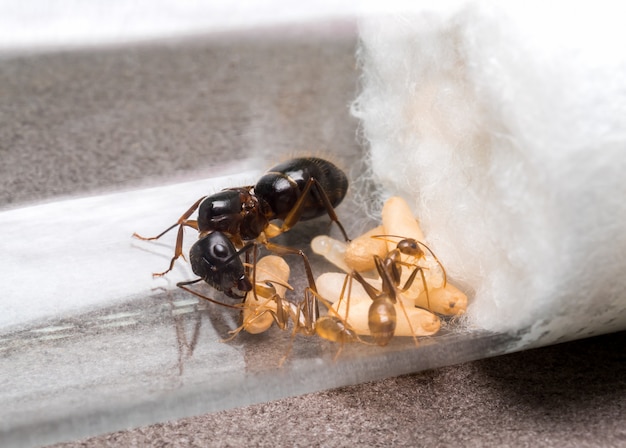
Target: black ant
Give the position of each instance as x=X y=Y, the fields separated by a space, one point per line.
x=382 y=317
x=234 y=220
x=296 y=190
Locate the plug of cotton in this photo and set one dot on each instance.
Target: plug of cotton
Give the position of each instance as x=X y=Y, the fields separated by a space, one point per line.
x=504 y=127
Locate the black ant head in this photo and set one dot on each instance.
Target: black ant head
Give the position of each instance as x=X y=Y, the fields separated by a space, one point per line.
x=215 y=259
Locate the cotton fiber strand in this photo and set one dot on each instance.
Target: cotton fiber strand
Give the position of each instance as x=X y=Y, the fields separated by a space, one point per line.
x=504 y=126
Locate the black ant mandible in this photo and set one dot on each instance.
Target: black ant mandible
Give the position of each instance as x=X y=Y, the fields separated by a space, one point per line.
x=234 y=220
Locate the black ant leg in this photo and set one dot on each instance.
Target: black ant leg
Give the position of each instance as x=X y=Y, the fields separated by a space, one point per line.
x=182 y=221
x=283 y=250
x=255 y=254
x=294 y=214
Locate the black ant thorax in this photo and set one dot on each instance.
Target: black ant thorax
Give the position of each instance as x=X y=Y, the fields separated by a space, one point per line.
x=234 y=211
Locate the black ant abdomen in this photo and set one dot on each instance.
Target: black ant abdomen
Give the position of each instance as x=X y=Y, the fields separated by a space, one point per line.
x=283 y=184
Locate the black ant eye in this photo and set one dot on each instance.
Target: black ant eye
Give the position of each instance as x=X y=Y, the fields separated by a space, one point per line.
x=220 y=250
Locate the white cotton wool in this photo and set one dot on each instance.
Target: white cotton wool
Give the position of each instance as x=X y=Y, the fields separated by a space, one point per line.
x=504 y=126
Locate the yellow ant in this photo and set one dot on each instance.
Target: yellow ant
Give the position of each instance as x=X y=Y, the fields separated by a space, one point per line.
x=266 y=304
x=382 y=316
